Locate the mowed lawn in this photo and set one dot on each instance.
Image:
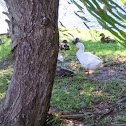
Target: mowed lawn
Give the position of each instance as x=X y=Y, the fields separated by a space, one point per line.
x=81 y=93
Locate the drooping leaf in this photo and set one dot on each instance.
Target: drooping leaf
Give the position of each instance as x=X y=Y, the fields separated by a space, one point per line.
x=123 y=1
x=114 y=19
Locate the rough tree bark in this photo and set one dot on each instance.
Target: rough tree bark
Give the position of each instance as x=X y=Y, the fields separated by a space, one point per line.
x=27 y=99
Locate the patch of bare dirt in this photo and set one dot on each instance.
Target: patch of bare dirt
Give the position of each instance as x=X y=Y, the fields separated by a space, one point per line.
x=111 y=72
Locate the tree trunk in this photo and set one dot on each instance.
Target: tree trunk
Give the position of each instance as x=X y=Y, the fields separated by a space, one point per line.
x=28 y=96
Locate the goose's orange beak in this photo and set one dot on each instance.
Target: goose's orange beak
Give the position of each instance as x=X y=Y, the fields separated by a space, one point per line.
x=75 y=48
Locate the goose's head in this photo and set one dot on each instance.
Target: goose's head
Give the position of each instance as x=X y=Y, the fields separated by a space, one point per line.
x=79 y=45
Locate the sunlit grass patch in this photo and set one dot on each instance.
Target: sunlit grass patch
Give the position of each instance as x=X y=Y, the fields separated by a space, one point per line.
x=5 y=70
x=5 y=48
x=93 y=44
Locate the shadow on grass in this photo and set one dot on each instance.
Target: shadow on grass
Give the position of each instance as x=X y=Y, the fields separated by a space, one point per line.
x=4 y=82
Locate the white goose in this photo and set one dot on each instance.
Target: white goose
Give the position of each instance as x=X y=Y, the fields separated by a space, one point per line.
x=88 y=60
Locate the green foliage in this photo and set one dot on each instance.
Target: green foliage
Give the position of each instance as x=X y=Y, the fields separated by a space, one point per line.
x=123 y=1
x=114 y=20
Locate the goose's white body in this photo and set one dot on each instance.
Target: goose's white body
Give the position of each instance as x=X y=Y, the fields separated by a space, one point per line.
x=88 y=60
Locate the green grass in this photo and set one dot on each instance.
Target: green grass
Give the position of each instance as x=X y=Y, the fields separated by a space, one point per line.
x=120 y=118
x=71 y=94
x=66 y=93
x=5 y=70
x=5 y=49
x=5 y=76
x=94 y=45
x=79 y=92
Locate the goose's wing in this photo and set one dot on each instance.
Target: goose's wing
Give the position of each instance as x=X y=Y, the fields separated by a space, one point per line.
x=87 y=58
x=92 y=56
x=92 y=61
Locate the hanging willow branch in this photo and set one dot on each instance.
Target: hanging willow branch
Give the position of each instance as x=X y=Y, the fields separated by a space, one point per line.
x=112 y=18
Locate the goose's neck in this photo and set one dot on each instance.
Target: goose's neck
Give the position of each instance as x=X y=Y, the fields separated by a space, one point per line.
x=81 y=50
